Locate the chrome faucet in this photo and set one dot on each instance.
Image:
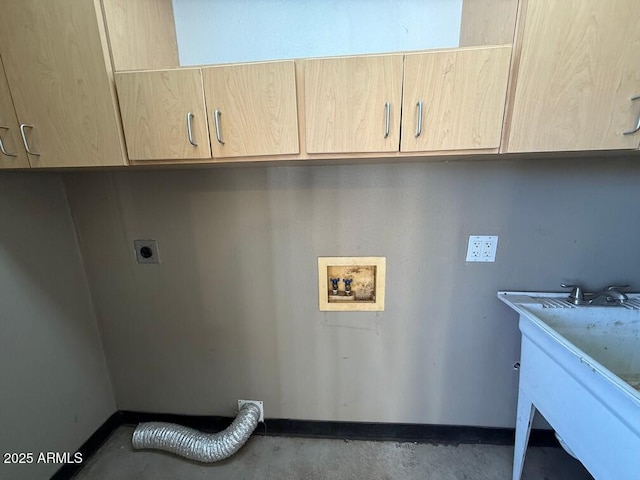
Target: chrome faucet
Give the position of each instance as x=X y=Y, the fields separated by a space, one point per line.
x=611 y=295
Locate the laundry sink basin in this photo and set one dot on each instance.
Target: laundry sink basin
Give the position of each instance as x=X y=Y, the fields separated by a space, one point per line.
x=580 y=367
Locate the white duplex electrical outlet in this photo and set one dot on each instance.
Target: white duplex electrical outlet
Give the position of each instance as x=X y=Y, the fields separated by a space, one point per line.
x=257 y=403
x=482 y=248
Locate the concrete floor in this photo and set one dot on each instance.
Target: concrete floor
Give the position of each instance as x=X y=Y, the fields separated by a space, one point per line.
x=315 y=459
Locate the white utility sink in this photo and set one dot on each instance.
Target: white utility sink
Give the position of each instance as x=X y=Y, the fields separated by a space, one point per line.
x=580 y=367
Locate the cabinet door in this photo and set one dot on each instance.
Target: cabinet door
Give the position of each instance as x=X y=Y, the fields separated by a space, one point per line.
x=454 y=99
x=252 y=109
x=12 y=153
x=579 y=69
x=352 y=104
x=59 y=76
x=163 y=114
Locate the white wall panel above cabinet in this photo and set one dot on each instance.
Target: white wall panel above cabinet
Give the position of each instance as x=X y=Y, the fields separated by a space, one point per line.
x=220 y=31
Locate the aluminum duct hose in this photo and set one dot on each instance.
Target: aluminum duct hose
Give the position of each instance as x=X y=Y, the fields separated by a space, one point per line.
x=195 y=445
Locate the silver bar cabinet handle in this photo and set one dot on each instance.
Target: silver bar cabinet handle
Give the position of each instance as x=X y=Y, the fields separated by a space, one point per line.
x=2 y=149
x=387 y=119
x=419 y=122
x=216 y=121
x=189 y=130
x=24 y=139
x=631 y=132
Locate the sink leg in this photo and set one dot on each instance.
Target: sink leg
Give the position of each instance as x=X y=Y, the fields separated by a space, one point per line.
x=524 y=419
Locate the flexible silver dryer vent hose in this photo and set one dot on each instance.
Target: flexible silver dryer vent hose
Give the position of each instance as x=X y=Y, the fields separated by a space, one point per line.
x=195 y=445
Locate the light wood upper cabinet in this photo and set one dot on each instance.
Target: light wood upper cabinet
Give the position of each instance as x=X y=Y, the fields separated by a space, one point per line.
x=578 y=70
x=163 y=114
x=59 y=74
x=142 y=34
x=252 y=109
x=487 y=22
x=12 y=152
x=352 y=104
x=454 y=99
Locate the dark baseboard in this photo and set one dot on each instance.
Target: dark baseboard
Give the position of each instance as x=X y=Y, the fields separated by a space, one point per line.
x=397 y=432
x=88 y=448
x=402 y=432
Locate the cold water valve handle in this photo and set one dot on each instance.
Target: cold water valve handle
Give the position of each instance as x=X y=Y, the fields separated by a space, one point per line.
x=616 y=287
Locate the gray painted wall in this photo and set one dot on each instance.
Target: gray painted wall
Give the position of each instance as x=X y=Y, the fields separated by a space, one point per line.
x=54 y=386
x=231 y=312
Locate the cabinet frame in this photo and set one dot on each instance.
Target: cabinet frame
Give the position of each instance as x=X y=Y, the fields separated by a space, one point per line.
x=304 y=157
